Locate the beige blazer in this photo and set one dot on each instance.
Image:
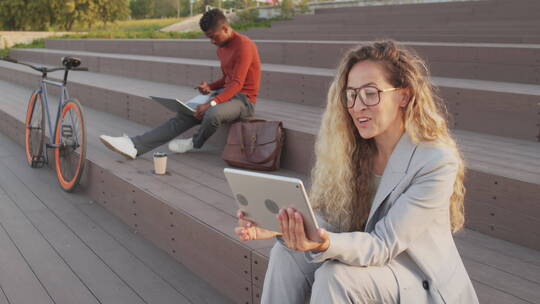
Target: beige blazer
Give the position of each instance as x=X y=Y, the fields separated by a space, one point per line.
x=416 y=187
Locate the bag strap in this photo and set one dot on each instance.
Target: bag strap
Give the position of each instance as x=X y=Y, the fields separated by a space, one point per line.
x=253 y=139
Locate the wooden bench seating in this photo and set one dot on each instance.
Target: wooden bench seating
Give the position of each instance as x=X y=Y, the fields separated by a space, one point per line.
x=189 y=213
x=474 y=105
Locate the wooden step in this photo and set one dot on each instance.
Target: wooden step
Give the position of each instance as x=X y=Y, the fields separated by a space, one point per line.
x=497 y=62
x=189 y=214
x=435 y=37
x=128 y=98
x=474 y=105
x=501 y=170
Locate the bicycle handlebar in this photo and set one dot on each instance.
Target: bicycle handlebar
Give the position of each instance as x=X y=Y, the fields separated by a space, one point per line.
x=43 y=69
x=9 y=59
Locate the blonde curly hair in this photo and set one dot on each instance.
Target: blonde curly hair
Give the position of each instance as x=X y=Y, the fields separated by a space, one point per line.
x=342 y=192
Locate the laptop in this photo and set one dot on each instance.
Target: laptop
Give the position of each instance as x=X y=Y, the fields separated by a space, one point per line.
x=260 y=196
x=176 y=105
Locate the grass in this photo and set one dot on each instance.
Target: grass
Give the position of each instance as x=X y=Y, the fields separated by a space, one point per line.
x=133 y=25
x=145 y=28
x=140 y=29
x=245 y=25
x=38 y=43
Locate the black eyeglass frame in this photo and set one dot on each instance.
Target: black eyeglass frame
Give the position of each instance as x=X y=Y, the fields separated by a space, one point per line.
x=357 y=93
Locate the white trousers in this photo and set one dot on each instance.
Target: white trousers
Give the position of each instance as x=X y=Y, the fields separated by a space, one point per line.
x=290 y=278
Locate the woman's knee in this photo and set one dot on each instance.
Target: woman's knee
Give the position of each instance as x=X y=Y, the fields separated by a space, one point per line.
x=346 y=283
x=279 y=252
x=330 y=272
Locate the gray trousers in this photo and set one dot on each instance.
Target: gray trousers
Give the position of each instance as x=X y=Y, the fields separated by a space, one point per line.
x=239 y=107
x=290 y=278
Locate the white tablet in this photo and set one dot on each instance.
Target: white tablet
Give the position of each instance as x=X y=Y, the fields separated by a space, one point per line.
x=260 y=196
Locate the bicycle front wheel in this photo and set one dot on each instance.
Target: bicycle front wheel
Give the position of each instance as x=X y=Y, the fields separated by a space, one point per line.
x=70 y=145
x=35 y=131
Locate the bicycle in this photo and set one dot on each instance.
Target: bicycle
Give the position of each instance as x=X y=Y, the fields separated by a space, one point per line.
x=69 y=133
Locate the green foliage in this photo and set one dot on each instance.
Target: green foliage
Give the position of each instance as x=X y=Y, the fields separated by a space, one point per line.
x=148 y=28
x=59 y=14
x=248 y=15
x=250 y=19
x=23 y=15
x=130 y=25
x=112 y=10
x=38 y=43
x=287 y=9
x=136 y=35
x=302 y=6
x=200 y=5
x=141 y=9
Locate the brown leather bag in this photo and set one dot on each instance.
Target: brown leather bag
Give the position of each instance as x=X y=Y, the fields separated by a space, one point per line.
x=255 y=145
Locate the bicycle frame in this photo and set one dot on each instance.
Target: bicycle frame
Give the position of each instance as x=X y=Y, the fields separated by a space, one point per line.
x=63 y=98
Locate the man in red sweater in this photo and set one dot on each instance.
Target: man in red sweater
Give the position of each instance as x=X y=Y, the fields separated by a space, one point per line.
x=231 y=97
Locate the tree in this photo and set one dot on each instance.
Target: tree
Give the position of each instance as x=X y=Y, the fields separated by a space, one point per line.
x=44 y=14
x=158 y=8
x=83 y=11
x=287 y=8
x=12 y=15
x=200 y=5
x=142 y=8
x=111 y=10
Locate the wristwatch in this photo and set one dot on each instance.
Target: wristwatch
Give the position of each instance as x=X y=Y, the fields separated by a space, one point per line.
x=213 y=103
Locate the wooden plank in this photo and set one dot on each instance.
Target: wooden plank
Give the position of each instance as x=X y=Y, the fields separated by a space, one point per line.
x=15 y=272
x=163 y=265
x=62 y=261
x=53 y=272
x=489 y=295
x=3 y=299
x=158 y=302
x=144 y=282
x=201 y=240
x=183 y=280
x=499 y=261
x=503 y=224
x=259 y=265
x=257 y=293
x=510 y=284
x=504 y=248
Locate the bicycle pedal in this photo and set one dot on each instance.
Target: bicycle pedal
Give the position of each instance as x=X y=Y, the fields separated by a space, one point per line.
x=67 y=131
x=38 y=161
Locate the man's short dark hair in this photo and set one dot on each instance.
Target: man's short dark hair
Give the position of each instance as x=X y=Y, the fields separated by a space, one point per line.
x=212 y=19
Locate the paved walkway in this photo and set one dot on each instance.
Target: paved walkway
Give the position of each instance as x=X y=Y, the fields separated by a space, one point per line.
x=8 y=39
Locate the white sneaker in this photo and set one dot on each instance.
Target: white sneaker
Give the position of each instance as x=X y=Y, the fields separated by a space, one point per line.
x=181 y=145
x=122 y=145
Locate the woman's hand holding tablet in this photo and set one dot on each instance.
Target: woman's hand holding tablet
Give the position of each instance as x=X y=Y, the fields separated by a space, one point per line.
x=294 y=235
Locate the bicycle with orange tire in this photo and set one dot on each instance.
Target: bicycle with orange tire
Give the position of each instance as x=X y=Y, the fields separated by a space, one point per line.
x=69 y=132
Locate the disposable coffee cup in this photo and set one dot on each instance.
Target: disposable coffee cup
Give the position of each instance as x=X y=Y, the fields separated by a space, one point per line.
x=160 y=163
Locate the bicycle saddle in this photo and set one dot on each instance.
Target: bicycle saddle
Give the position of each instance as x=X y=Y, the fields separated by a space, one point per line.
x=70 y=62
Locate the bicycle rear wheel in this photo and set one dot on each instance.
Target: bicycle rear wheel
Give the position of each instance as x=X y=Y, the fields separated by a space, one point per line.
x=35 y=131
x=70 y=145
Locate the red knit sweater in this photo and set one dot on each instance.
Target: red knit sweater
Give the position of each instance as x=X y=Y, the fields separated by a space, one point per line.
x=241 y=69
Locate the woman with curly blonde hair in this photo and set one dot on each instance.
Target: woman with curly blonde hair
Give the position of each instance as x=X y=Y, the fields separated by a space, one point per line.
x=388 y=187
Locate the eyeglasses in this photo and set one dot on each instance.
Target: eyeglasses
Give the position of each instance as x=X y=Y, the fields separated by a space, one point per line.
x=369 y=95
